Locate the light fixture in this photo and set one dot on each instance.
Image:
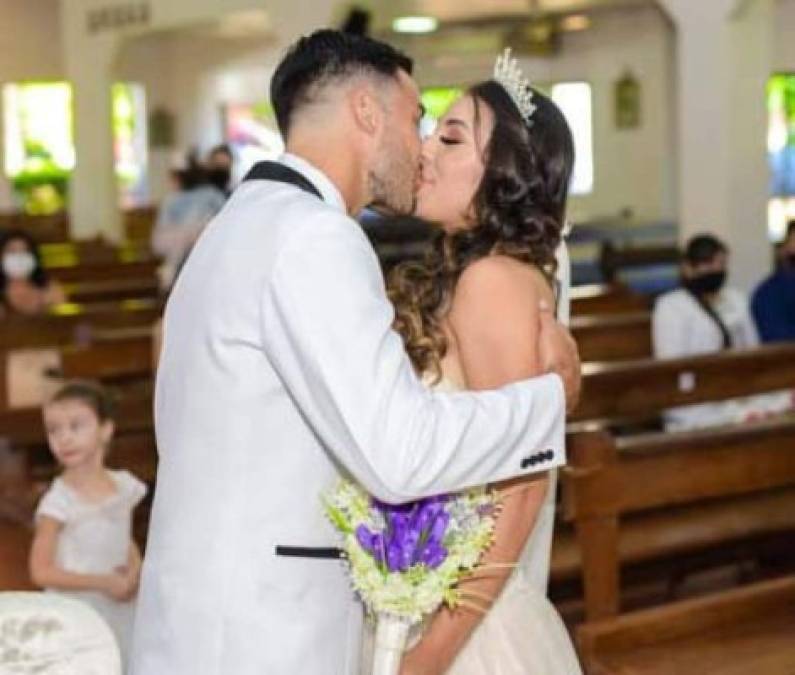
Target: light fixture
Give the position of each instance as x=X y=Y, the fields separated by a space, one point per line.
x=575 y=22
x=415 y=24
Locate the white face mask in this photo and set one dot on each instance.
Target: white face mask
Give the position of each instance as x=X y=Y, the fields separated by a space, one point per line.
x=18 y=265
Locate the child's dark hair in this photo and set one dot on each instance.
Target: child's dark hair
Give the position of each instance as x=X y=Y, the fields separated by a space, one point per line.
x=93 y=394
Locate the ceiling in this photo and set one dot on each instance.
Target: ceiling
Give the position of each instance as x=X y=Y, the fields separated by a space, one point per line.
x=456 y=11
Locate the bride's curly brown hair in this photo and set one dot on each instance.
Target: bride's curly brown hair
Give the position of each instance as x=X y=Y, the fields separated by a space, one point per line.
x=519 y=210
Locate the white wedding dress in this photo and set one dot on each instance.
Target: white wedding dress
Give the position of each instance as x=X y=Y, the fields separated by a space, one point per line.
x=522 y=633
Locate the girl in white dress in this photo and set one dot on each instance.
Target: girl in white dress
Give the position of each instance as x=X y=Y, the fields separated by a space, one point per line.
x=495 y=178
x=83 y=544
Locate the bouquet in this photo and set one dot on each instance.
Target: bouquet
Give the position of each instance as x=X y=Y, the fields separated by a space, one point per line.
x=406 y=560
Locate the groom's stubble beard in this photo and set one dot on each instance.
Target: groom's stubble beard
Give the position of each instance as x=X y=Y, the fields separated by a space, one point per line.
x=392 y=180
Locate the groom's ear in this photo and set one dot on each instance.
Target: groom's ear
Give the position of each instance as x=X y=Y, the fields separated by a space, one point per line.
x=366 y=109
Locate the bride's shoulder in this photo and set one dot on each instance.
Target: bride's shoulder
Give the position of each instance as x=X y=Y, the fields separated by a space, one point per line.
x=499 y=288
x=498 y=276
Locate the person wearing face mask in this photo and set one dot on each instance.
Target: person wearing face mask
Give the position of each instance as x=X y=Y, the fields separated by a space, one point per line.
x=24 y=286
x=701 y=317
x=773 y=303
x=220 y=163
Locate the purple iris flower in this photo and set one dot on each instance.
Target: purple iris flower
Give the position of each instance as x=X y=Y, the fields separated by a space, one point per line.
x=414 y=533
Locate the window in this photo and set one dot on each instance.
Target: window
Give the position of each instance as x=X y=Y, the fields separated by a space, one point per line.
x=39 y=144
x=574 y=101
x=781 y=153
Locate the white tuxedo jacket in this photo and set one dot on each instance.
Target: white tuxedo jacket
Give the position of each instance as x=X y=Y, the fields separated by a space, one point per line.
x=279 y=373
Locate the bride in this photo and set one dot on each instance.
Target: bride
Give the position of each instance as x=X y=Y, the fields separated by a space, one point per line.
x=495 y=178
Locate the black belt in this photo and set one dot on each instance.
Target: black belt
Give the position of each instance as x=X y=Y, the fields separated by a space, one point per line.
x=321 y=552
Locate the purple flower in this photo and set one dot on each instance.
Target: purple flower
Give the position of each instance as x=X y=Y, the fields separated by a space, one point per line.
x=414 y=533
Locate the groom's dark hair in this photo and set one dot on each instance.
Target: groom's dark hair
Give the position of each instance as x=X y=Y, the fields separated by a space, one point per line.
x=322 y=57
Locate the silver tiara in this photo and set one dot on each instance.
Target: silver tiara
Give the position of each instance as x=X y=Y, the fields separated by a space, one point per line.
x=510 y=77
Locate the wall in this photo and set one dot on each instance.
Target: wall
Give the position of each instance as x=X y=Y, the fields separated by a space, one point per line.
x=195 y=75
x=784 y=40
x=192 y=73
x=635 y=168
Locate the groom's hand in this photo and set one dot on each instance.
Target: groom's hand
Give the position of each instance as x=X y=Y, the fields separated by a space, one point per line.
x=558 y=352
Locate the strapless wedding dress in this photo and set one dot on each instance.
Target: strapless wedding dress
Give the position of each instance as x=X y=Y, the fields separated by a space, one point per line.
x=522 y=634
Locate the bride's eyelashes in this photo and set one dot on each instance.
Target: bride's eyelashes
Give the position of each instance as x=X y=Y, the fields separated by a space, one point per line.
x=449 y=141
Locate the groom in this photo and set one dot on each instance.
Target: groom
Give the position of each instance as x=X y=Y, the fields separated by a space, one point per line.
x=280 y=372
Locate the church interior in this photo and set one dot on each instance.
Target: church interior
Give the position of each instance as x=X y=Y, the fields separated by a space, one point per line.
x=674 y=543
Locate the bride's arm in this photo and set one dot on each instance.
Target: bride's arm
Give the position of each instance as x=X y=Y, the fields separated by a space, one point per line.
x=494 y=319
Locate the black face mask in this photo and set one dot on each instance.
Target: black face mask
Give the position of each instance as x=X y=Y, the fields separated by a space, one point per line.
x=705 y=284
x=220 y=178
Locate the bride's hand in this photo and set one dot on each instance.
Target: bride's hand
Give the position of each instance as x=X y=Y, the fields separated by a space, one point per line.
x=414 y=663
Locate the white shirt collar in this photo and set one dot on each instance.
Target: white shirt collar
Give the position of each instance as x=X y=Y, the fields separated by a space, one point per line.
x=331 y=195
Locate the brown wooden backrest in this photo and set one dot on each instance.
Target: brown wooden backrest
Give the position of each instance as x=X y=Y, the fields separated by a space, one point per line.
x=113 y=359
x=646 y=387
x=613 y=260
x=600 y=299
x=608 y=478
x=76 y=323
x=54 y=228
x=49 y=228
x=613 y=337
x=23 y=428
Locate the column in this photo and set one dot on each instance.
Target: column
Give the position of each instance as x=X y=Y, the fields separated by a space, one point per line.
x=723 y=62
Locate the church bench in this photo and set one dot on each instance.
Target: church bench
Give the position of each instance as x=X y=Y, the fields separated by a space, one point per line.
x=137 y=224
x=98 y=260
x=43 y=228
x=644 y=388
x=76 y=323
x=740 y=481
x=23 y=428
x=15 y=541
x=736 y=632
x=614 y=260
x=724 y=527
x=618 y=395
x=34 y=342
x=612 y=337
x=112 y=290
x=599 y=299
x=92 y=251
x=121 y=357
x=142 y=268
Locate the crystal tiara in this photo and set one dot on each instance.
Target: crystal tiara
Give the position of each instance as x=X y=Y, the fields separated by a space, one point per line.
x=508 y=75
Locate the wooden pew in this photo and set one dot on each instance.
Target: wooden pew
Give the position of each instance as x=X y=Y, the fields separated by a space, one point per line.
x=638 y=389
x=613 y=337
x=15 y=541
x=137 y=223
x=78 y=327
x=23 y=428
x=49 y=228
x=83 y=292
x=601 y=299
x=737 y=632
x=116 y=358
x=614 y=485
x=614 y=260
x=75 y=323
x=620 y=395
